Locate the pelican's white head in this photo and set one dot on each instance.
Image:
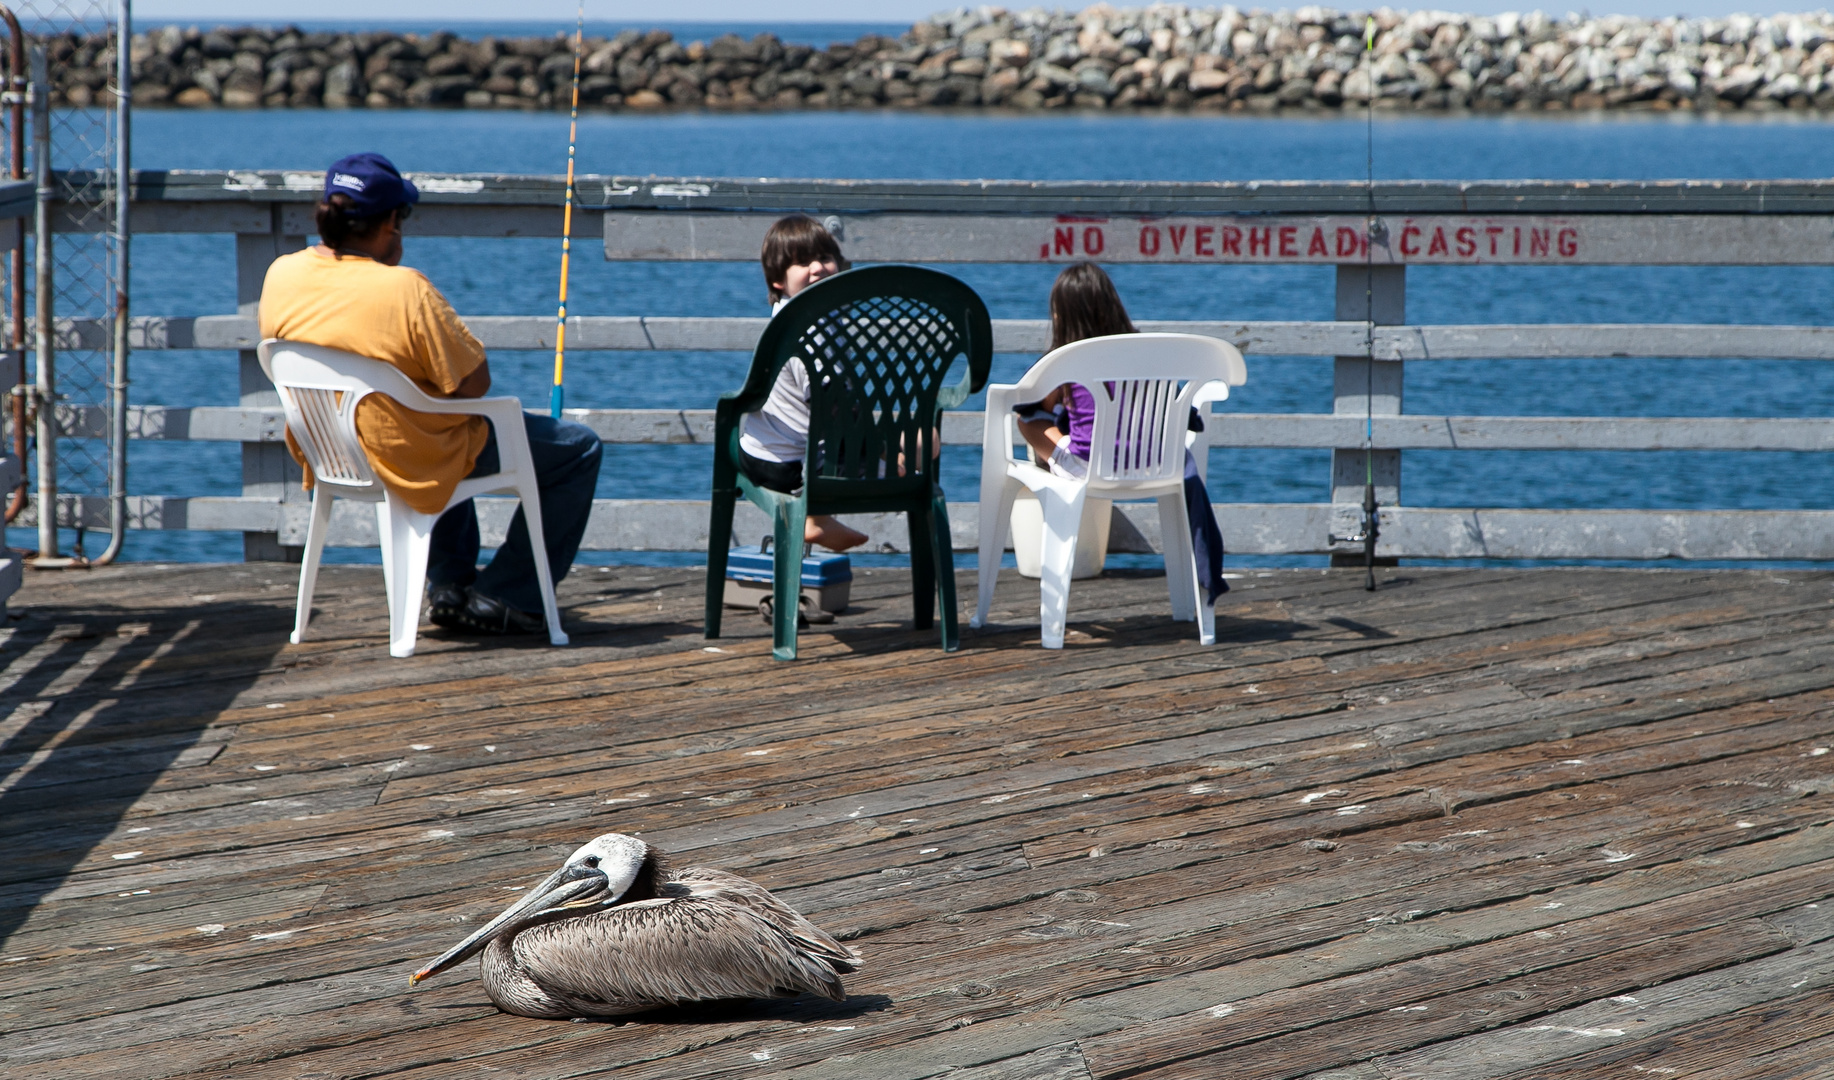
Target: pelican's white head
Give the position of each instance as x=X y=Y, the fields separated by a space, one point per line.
x=597 y=874
x=616 y=857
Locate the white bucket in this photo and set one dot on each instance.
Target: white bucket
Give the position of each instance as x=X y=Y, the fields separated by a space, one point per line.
x=1091 y=536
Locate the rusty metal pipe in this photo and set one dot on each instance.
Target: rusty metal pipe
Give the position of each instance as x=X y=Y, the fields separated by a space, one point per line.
x=44 y=338
x=117 y=382
x=15 y=85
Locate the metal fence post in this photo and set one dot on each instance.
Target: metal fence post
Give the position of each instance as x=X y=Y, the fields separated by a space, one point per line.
x=1363 y=387
x=44 y=341
x=268 y=471
x=118 y=307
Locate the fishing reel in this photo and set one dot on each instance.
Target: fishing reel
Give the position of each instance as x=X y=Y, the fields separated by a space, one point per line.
x=1369 y=531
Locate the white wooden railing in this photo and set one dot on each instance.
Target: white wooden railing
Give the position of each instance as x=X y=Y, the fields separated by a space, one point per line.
x=1785 y=223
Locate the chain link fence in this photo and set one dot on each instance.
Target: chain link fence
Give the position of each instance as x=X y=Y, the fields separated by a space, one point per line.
x=86 y=271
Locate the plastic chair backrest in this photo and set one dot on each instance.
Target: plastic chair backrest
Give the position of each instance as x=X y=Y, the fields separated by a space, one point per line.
x=877 y=343
x=319 y=390
x=1144 y=386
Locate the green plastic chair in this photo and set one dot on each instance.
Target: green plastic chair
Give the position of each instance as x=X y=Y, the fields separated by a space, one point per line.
x=877 y=343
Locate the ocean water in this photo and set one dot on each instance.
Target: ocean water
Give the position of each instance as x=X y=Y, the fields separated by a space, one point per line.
x=189 y=275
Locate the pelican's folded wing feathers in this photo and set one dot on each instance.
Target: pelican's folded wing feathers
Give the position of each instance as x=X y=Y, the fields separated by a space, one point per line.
x=670 y=951
x=734 y=889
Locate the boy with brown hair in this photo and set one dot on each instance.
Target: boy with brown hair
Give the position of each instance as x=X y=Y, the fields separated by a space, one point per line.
x=773 y=441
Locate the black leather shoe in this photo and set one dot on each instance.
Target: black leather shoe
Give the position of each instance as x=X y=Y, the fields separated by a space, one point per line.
x=482 y=615
x=445 y=604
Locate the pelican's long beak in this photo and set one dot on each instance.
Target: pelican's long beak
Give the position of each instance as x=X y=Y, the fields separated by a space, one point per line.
x=565 y=886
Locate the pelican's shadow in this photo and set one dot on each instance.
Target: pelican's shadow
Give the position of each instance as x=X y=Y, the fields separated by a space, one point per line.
x=807 y=1009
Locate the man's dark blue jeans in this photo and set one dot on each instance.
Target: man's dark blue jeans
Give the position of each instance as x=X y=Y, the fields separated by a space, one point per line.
x=566 y=457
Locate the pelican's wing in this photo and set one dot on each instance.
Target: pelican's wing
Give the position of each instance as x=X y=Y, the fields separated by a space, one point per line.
x=670 y=951
x=718 y=884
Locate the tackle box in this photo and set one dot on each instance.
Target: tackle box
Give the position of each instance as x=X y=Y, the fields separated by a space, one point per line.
x=827 y=580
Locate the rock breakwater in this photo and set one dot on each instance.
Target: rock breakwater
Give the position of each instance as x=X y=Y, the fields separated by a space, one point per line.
x=1164 y=56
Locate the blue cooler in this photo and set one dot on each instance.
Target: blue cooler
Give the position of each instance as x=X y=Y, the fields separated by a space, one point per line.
x=827 y=580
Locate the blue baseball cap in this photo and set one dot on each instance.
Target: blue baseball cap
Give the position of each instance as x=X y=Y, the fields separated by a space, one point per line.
x=372 y=183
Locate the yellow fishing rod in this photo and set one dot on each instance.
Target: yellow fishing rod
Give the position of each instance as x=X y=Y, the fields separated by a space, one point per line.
x=1372 y=528
x=558 y=397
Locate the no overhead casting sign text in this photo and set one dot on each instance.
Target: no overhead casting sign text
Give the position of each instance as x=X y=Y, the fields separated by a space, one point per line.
x=1431 y=239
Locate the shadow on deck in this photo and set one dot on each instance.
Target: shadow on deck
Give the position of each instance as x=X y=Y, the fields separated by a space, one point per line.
x=1551 y=823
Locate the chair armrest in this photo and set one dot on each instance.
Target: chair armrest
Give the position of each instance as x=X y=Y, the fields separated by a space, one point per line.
x=1214 y=390
x=997 y=429
x=483 y=406
x=405 y=393
x=1001 y=397
x=727 y=414
x=951 y=397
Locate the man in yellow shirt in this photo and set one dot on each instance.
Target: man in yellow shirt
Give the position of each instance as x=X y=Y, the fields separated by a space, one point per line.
x=351 y=292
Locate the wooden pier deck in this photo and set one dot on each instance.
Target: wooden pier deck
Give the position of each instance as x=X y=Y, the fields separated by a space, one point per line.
x=1550 y=824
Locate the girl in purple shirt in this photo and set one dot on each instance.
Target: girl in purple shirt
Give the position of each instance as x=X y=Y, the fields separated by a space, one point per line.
x=1084 y=304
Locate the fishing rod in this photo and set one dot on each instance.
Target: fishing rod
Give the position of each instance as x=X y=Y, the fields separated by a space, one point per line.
x=558 y=396
x=1371 y=525
x=1374 y=232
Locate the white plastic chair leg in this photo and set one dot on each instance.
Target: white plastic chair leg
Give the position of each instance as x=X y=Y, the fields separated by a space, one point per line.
x=1180 y=564
x=1206 y=615
x=1063 y=513
x=1206 y=611
x=316 y=529
x=403 y=635
x=996 y=523
x=407 y=537
x=529 y=493
x=384 y=538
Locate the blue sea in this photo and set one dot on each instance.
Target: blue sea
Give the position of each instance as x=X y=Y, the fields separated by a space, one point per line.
x=184 y=275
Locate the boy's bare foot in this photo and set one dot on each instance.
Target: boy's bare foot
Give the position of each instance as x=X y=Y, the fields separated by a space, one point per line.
x=831 y=534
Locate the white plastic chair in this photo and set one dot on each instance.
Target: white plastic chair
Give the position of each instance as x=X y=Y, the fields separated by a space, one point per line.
x=319 y=389
x=1144 y=386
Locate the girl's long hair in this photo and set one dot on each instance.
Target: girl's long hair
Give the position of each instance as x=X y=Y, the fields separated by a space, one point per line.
x=1084 y=304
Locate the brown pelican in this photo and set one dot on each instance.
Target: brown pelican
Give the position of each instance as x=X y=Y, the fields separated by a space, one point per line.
x=616 y=930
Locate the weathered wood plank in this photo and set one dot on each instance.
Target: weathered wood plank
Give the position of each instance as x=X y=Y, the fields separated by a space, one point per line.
x=1756 y=1042
x=1797 y=972
x=1397 y=987
x=1438 y=1017
x=1496 y=683
x=300 y=189
x=940 y=837
x=991 y=1039
x=1264 y=338
x=1543 y=915
x=1249 y=528
x=1226 y=430
x=315 y=722
x=254 y=714
x=258 y=712
x=338 y=776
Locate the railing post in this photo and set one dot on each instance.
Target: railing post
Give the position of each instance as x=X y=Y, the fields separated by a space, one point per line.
x=1363 y=387
x=268 y=471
